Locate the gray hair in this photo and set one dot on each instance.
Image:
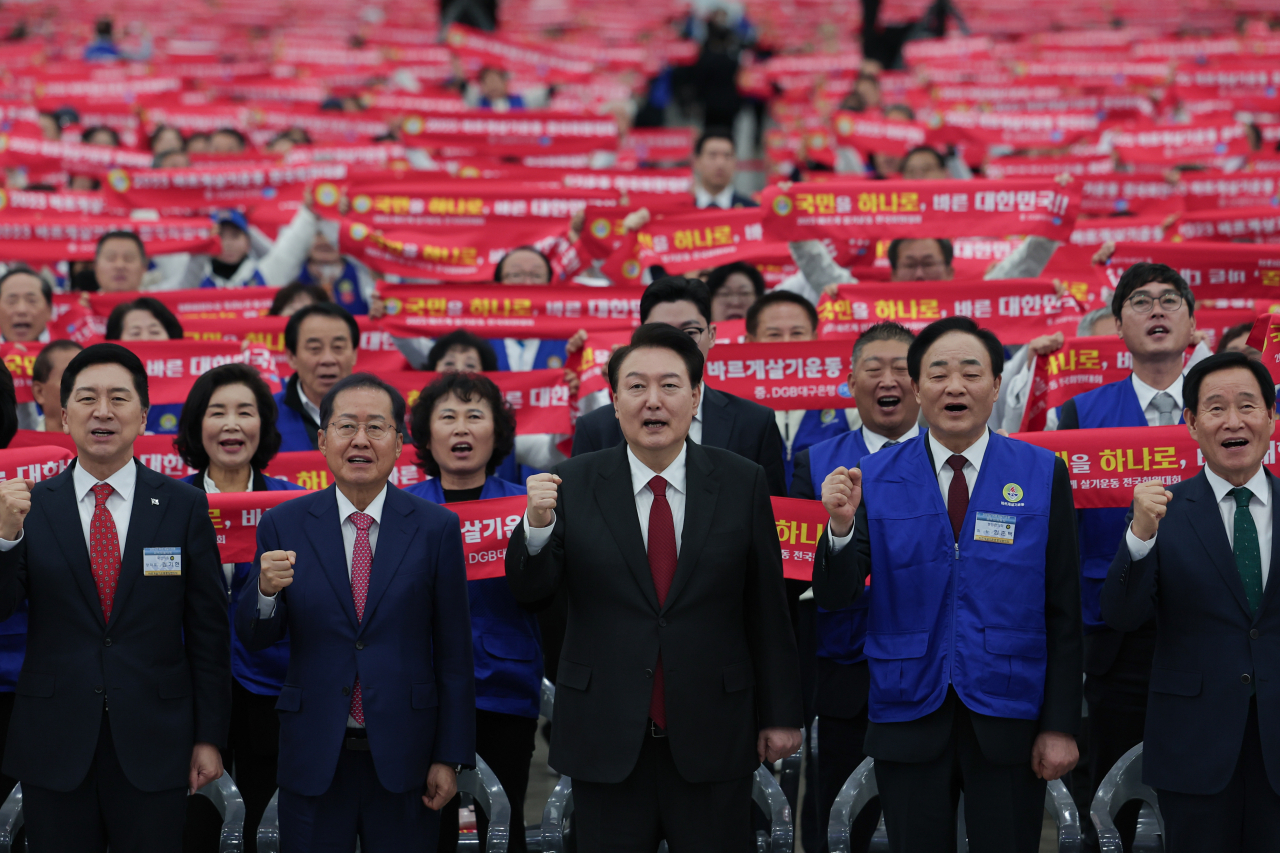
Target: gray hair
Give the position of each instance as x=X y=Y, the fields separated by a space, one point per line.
x=887 y=331
x=1085 y=327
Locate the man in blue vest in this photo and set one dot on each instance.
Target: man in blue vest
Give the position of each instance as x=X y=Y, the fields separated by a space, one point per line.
x=889 y=410
x=973 y=637
x=781 y=317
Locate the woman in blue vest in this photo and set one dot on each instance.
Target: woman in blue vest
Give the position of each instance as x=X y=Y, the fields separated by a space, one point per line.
x=463 y=429
x=228 y=434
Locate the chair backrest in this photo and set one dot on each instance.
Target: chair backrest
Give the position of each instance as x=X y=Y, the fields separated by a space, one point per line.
x=768 y=795
x=791 y=765
x=555 y=816
x=225 y=796
x=547 y=701
x=10 y=818
x=1122 y=784
x=483 y=785
x=268 y=835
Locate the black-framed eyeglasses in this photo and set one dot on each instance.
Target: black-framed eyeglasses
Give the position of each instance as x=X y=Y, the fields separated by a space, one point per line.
x=694 y=332
x=373 y=431
x=1142 y=302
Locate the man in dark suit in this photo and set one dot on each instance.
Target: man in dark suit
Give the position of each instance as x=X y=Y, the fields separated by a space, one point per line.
x=715 y=162
x=679 y=672
x=378 y=706
x=974 y=637
x=1196 y=558
x=124 y=698
x=721 y=420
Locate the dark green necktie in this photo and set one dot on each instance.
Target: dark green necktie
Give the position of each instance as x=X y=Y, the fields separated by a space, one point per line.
x=1245 y=546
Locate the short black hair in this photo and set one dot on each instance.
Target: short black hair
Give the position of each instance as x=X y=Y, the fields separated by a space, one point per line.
x=319 y=309
x=43 y=365
x=925 y=149
x=930 y=334
x=718 y=276
x=155 y=134
x=102 y=128
x=363 y=380
x=944 y=246
x=1225 y=361
x=231 y=131
x=105 y=354
x=1145 y=273
x=46 y=289
x=663 y=336
x=675 y=288
x=289 y=292
x=779 y=297
x=462 y=339
x=468 y=387
x=154 y=307
x=189 y=442
x=1231 y=334
x=886 y=331
x=497 y=271
x=8 y=407
x=714 y=133
x=103 y=27
x=120 y=235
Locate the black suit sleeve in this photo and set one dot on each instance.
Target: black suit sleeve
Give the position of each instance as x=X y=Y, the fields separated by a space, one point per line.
x=534 y=579
x=840 y=578
x=1129 y=592
x=13 y=578
x=769 y=454
x=1069 y=418
x=801 y=479
x=584 y=437
x=206 y=628
x=1064 y=627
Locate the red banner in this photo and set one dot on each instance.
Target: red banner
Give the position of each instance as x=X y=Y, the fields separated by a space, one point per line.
x=891 y=209
x=707 y=238
x=540 y=398
x=451 y=253
x=184 y=192
x=20 y=359
x=308 y=468
x=877 y=134
x=501 y=311
x=1221 y=191
x=1253 y=224
x=1095 y=232
x=1082 y=364
x=39 y=240
x=800 y=524
x=1128 y=195
x=493 y=50
x=1199 y=141
x=1214 y=270
x=514 y=134
x=1265 y=338
x=173 y=366
x=1016 y=311
x=211 y=303
x=34 y=463
x=784 y=376
x=1048 y=167
x=1019 y=130
x=465 y=202
x=64 y=203
x=486 y=527
x=659 y=144
x=235 y=517
x=42 y=154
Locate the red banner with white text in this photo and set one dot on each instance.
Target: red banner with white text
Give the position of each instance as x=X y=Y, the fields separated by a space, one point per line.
x=540 y=398
x=784 y=376
x=1214 y=270
x=34 y=463
x=212 y=303
x=800 y=525
x=308 y=468
x=235 y=517
x=502 y=311
x=449 y=253
x=486 y=529
x=40 y=240
x=173 y=366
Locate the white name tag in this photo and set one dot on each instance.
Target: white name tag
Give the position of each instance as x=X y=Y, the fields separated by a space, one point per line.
x=990 y=527
x=161 y=562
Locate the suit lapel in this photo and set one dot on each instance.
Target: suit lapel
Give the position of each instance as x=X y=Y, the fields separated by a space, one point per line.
x=701 y=490
x=149 y=509
x=1273 y=578
x=64 y=514
x=324 y=530
x=393 y=540
x=717 y=420
x=1206 y=521
x=617 y=504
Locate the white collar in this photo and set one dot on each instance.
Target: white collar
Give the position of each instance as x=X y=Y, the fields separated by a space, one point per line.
x=210 y=487
x=1146 y=393
x=346 y=507
x=1257 y=484
x=702 y=401
x=875 y=441
x=641 y=474
x=973 y=453
x=312 y=408
x=124 y=481
x=702 y=198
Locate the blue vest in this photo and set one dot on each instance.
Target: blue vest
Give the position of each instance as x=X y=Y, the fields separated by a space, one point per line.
x=548 y=351
x=258 y=672
x=346 y=289
x=255 y=280
x=506 y=643
x=162 y=418
x=13 y=647
x=1102 y=530
x=295 y=433
x=841 y=633
x=959 y=612
x=816 y=426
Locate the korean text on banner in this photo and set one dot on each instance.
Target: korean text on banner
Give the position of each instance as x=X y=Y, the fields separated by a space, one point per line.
x=501 y=311
x=799 y=524
x=235 y=517
x=486 y=529
x=784 y=376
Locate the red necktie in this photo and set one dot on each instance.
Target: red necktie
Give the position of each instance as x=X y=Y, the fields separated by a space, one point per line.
x=662 y=563
x=361 y=562
x=104 y=549
x=958 y=494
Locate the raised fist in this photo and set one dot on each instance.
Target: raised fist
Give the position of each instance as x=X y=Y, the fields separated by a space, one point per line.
x=841 y=495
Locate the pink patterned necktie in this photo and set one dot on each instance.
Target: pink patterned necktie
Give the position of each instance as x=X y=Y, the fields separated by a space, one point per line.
x=104 y=549
x=662 y=563
x=361 y=562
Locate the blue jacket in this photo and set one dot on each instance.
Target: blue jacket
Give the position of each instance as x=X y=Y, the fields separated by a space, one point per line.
x=959 y=612
x=13 y=647
x=260 y=672
x=162 y=418
x=506 y=643
x=346 y=289
x=815 y=427
x=411 y=652
x=297 y=429
x=550 y=354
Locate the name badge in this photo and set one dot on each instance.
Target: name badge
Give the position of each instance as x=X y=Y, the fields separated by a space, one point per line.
x=161 y=562
x=991 y=527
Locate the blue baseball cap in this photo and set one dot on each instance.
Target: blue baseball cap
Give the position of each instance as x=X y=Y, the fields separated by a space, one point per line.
x=231 y=217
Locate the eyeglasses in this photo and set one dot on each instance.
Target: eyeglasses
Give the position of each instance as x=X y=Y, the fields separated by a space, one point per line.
x=927 y=265
x=694 y=332
x=374 y=432
x=521 y=277
x=1142 y=302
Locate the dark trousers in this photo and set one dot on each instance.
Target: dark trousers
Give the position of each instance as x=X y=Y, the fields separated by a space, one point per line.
x=104 y=809
x=252 y=754
x=505 y=742
x=1003 y=803
x=6 y=712
x=655 y=802
x=1243 y=817
x=839 y=754
x=1117 y=719
x=356 y=804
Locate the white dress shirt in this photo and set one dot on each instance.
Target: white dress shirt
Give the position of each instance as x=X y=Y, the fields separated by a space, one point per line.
x=1259 y=508
x=119 y=503
x=695 y=427
x=641 y=474
x=1146 y=394
x=875 y=441
x=703 y=199
x=310 y=407
x=973 y=455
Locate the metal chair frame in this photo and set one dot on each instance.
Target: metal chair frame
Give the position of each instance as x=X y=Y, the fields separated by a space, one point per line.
x=1123 y=784
x=10 y=818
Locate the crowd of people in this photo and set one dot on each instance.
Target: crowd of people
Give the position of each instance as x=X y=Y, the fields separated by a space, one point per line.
x=939 y=434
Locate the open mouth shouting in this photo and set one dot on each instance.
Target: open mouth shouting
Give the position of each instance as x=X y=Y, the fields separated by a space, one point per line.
x=461 y=449
x=956 y=408
x=654 y=425
x=1158 y=331
x=232 y=446
x=360 y=461
x=1234 y=443
x=888 y=403
x=101 y=435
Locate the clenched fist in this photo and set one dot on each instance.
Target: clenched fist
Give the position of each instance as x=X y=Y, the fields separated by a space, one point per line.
x=543 y=489
x=1150 y=503
x=841 y=495
x=15 y=503
x=277 y=571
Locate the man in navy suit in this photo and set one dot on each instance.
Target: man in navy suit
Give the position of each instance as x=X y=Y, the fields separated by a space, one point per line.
x=378 y=706
x=1197 y=557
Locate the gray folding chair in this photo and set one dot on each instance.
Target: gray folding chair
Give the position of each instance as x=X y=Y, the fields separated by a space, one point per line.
x=225 y=796
x=790 y=767
x=482 y=787
x=269 y=827
x=10 y=818
x=1123 y=784
x=547 y=703
x=556 y=816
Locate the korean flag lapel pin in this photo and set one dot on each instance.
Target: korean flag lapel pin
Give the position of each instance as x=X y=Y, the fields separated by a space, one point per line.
x=155 y=502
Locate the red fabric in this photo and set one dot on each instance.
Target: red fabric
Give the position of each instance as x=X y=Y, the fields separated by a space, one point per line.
x=662 y=563
x=361 y=562
x=958 y=494
x=104 y=550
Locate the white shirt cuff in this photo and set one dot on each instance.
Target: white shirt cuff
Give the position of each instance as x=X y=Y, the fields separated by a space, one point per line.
x=837 y=543
x=535 y=538
x=266 y=605
x=7 y=544
x=1137 y=548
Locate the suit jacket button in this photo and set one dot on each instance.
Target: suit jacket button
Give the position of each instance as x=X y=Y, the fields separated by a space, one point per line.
x=662 y=623
x=1253 y=633
x=359 y=645
x=107 y=641
x=97 y=689
x=346 y=691
x=648 y=673
x=1246 y=678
